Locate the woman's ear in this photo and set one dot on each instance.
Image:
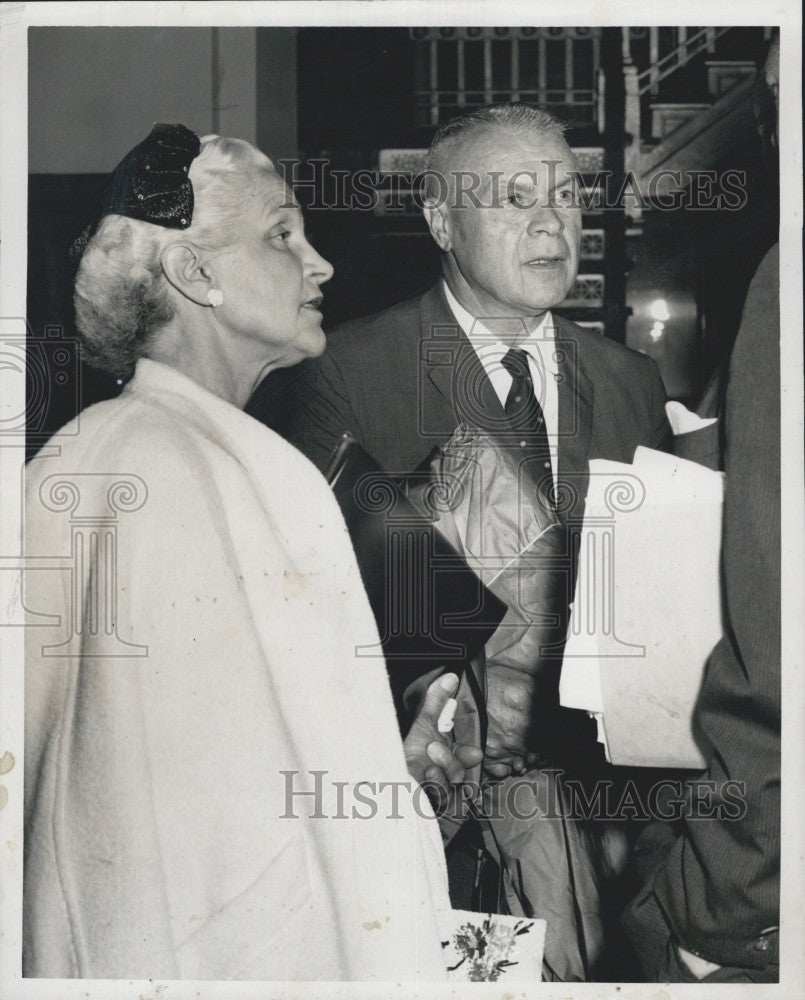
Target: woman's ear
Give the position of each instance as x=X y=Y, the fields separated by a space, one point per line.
x=184 y=267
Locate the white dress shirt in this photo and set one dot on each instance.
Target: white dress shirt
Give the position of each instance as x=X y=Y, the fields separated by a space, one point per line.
x=539 y=346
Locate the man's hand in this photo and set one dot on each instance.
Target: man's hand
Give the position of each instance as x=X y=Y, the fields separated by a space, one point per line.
x=434 y=759
x=510 y=702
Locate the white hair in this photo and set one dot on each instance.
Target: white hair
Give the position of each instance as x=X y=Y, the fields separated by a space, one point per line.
x=121 y=294
x=517 y=118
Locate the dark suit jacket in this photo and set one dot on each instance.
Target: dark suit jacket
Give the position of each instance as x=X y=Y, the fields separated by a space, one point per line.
x=402 y=379
x=717 y=894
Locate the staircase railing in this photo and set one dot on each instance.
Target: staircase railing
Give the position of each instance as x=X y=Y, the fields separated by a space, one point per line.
x=639 y=82
x=662 y=68
x=467 y=67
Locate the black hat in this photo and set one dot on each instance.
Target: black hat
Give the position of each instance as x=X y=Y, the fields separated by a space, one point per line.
x=151 y=182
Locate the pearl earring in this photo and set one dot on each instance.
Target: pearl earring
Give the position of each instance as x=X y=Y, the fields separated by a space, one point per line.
x=215 y=297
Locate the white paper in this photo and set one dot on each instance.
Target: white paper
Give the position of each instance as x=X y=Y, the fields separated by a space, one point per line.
x=647 y=609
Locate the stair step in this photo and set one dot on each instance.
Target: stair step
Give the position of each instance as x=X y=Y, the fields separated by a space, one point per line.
x=724 y=74
x=589 y=159
x=587 y=292
x=700 y=141
x=593 y=244
x=667 y=118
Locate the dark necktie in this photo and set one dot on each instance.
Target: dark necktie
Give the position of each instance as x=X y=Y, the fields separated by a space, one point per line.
x=527 y=420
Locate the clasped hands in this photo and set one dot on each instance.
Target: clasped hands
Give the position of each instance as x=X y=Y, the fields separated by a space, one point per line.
x=511 y=697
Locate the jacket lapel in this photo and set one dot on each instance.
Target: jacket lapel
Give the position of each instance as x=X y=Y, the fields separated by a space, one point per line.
x=455 y=387
x=575 y=403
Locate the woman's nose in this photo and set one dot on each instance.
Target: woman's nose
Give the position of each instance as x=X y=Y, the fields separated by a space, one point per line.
x=317 y=267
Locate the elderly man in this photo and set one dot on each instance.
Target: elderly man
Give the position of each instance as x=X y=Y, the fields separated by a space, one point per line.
x=500 y=205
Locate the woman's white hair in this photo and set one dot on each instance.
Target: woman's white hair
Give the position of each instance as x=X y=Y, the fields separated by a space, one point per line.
x=121 y=294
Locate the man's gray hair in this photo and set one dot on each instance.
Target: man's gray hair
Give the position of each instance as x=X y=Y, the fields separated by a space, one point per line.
x=514 y=117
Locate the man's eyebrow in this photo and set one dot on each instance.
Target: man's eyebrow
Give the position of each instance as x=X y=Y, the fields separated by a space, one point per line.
x=503 y=179
x=565 y=182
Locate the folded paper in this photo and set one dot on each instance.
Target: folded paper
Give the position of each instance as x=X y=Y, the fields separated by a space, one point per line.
x=647 y=608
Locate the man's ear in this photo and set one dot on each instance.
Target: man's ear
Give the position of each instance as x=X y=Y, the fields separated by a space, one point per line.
x=184 y=267
x=437 y=216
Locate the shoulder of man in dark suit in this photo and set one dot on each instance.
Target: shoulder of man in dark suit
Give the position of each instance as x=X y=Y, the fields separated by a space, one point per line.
x=313 y=404
x=363 y=341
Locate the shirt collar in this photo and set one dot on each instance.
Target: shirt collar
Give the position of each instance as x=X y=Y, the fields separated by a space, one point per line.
x=539 y=343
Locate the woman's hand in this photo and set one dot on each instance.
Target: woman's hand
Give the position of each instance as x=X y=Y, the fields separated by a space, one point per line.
x=434 y=759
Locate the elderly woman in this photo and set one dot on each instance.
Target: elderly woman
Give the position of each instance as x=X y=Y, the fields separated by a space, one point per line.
x=210 y=765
